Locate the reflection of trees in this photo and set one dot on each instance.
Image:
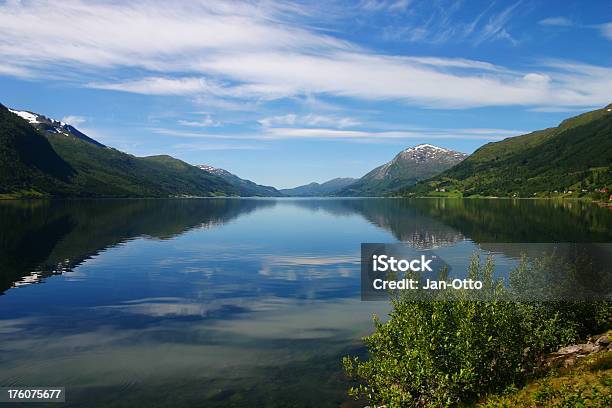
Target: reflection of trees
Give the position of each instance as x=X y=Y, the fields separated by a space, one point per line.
x=570 y=271
x=49 y=237
x=431 y=223
x=443 y=221
x=406 y=222
x=521 y=220
x=54 y=236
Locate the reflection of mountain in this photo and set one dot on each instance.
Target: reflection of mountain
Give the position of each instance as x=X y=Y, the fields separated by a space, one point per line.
x=521 y=220
x=46 y=237
x=51 y=237
x=406 y=222
x=435 y=222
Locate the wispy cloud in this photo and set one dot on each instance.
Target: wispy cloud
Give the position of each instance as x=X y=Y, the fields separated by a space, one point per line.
x=310 y=119
x=556 y=22
x=384 y=5
x=162 y=86
x=243 y=53
x=207 y=121
x=205 y=146
x=331 y=134
x=15 y=71
x=496 y=26
x=74 y=120
x=450 y=21
x=274 y=76
x=606 y=30
x=296 y=133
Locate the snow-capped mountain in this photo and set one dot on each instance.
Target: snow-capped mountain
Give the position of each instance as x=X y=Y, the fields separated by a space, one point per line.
x=45 y=124
x=247 y=186
x=424 y=154
x=216 y=171
x=427 y=152
x=407 y=168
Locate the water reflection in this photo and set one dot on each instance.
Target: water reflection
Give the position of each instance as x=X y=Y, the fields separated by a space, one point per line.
x=221 y=302
x=42 y=238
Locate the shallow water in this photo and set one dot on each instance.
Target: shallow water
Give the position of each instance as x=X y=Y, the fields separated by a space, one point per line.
x=224 y=302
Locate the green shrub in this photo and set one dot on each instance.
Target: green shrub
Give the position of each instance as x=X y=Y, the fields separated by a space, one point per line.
x=441 y=353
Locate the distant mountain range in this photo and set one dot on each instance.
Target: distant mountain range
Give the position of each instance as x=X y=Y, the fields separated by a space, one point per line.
x=407 y=168
x=247 y=187
x=315 y=189
x=42 y=157
x=572 y=159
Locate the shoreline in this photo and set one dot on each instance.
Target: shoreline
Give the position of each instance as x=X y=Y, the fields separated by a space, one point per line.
x=56 y=198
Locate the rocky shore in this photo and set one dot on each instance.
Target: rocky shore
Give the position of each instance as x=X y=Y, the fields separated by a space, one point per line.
x=567 y=356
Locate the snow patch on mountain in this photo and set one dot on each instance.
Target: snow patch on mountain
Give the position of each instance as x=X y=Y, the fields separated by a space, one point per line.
x=49 y=125
x=426 y=152
x=29 y=116
x=214 y=170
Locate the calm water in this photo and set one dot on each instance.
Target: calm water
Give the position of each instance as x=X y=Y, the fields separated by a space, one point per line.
x=223 y=302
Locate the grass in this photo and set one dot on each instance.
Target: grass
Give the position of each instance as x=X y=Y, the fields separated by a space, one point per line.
x=587 y=384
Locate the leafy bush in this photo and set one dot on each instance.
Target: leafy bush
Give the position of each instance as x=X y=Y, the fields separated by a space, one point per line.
x=441 y=353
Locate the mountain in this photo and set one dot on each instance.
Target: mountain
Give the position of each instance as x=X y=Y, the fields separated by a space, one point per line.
x=48 y=125
x=28 y=162
x=315 y=189
x=407 y=168
x=247 y=187
x=572 y=159
x=43 y=157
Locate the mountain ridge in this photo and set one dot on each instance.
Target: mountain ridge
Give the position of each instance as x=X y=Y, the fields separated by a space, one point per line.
x=248 y=187
x=407 y=167
x=42 y=157
x=571 y=159
x=46 y=124
x=315 y=189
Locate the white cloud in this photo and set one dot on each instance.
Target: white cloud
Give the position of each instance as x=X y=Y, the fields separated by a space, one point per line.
x=556 y=21
x=288 y=133
x=377 y=77
x=384 y=5
x=606 y=30
x=74 y=120
x=243 y=53
x=203 y=146
x=143 y=32
x=162 y=86
x=495 y=28
x=16 y=71
x=445 y=21
x=322 y=133
x=207 y=121
x=311 y=119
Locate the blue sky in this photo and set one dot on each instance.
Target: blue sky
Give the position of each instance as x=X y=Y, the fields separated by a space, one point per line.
x=288 y=93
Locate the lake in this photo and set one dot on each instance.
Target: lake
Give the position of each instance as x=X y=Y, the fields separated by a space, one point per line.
x=224 y=302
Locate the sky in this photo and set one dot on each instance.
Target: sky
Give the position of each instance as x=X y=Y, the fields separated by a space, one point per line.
x=286 y=93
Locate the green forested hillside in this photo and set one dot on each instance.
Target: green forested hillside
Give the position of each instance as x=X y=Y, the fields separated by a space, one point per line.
x=329 y=187
x=572 y=159
x=246 y=187
x=33 y=163
x=28 y=162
